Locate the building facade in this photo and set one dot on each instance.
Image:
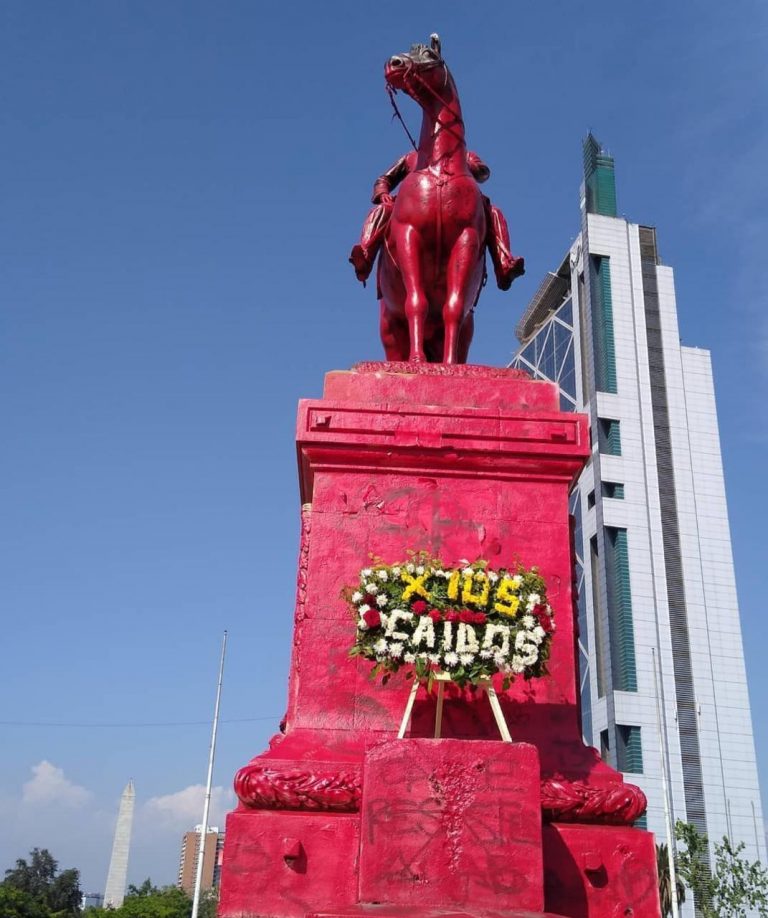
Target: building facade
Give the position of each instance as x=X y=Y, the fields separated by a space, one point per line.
x=190 y=847
x=658 y=612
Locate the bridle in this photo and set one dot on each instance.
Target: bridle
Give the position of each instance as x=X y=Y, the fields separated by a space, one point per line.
x=412 y=73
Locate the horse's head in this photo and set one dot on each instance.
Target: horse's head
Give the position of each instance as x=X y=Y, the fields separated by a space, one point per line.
x=420 y=72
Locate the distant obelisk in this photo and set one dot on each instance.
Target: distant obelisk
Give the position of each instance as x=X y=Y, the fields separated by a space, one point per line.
x=118 y=864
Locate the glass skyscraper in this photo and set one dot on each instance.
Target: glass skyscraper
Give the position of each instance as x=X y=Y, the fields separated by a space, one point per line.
x=653 y=549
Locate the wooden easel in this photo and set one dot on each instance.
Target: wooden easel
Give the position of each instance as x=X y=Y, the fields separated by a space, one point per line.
x=441 y=679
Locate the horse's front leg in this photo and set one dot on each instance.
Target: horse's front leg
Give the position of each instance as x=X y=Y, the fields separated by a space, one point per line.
x=410 y=250
x=462 y=281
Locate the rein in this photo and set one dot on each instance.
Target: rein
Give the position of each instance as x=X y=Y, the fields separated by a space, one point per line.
x=391 y=91
x=411 y=72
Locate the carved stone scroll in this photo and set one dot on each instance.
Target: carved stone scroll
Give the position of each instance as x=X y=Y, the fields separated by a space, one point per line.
x=616 y=804
x=281 y=787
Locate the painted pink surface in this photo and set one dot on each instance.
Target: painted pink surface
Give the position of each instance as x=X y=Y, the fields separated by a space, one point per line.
x=461 y=462
x=463 y=829
x=435 y=232
x=289 y=865
x=600 y=871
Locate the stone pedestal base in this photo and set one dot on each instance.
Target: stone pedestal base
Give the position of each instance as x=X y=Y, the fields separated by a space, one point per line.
x=415 y=911
x=339 y=817
x=600 y=870
x=452 y=824
x=285 y=865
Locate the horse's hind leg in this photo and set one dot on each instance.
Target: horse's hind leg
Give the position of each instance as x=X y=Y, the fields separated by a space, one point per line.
x=409 y=261
x=465 y=337
x=394 y=334
x=460 y=295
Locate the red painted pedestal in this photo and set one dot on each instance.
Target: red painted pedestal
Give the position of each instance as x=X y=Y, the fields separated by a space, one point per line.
x=341 y=818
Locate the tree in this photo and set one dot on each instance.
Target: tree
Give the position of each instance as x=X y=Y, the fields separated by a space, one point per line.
x=149 y=902
x=141 y=892
x=35 y=877
x=14 y=903
x=733 y=888
x=665 y=881
x=209 y=903
x=57 y=894
x=64 y=896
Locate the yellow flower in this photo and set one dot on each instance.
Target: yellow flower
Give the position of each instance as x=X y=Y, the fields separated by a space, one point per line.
x=476 y=599
x=507 y=601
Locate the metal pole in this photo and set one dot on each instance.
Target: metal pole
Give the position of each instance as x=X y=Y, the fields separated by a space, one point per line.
x=665 y=793
x=209 y=782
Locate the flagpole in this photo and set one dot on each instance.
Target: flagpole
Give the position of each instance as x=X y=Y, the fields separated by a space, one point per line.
x=665 y=794
x=209 y=782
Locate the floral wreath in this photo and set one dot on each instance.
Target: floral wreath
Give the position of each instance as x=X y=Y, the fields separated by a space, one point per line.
x=469 y=622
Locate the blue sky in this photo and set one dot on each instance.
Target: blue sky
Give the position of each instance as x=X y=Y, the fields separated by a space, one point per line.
x=181 y=184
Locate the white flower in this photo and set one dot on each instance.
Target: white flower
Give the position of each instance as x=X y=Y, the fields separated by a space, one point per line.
x=410 y=568
x=492 y=632
x=517 y=580
x=468 y=572
x=466 y=639
x=424 y=633
x=381 y=600
x=433 y=657
x=534 y=598
x=366 y=573
x=467 y=659
x=420 y=570
x=362 y=625
x=538 y=634
x=357 y=596
x=396 y=616
x=528 y=652
x=396 y=650
x=447 y=635
x=409 y=657
x=499 y=659
x=493 y=576
x=528 y=621
x=396 y=571
x=364 y=608
x=486 y=653
x=423 y=655
x=383 y=575
x=371 y=588
x=517 y=664
x=380 y=646
x=451 y=658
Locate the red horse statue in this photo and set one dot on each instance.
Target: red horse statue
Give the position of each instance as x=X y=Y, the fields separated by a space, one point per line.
x=432 y=236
